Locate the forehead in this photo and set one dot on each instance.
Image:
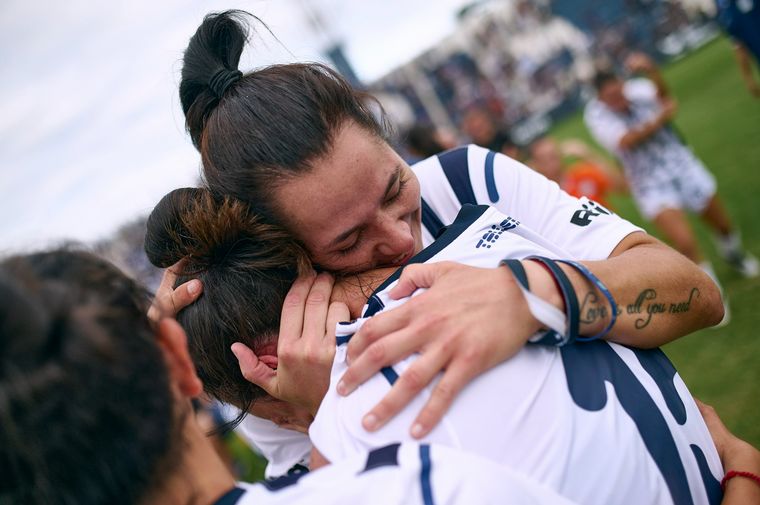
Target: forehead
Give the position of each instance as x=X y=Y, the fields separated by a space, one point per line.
x=342 y=189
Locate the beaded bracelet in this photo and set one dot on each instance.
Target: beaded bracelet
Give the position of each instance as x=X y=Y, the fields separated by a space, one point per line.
x=572 y=310
x=603 y=289
x=733 y=473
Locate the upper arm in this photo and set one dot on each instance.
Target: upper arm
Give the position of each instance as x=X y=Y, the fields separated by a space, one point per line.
x=633 y=240
x=578 y=226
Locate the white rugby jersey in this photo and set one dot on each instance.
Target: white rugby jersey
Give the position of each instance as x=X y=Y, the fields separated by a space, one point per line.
x=400 y=474
x=579 y=229
x=652 y=163
x=474 y=175
x=596 y=422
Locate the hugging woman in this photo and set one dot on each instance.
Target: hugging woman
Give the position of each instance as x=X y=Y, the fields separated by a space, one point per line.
x=551 y=413
x=302 y=148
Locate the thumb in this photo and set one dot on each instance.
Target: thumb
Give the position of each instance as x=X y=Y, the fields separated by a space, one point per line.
x=417 y=276
x=255 y=370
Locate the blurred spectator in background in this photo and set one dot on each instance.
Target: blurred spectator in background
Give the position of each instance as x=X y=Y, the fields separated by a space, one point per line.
x=632 y=119
x=482 y=128
x=576 y=168
x=425 y=140
x=741 y=20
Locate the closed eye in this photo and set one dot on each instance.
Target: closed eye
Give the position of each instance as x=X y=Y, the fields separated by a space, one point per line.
x=401 y=185
x=353 y=247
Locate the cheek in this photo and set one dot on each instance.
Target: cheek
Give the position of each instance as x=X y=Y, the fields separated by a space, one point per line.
x=357 y=261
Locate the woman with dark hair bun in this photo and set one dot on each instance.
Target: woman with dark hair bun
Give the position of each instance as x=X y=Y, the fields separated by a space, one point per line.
x=242 y=262
x=550 y=413
x=302 y=148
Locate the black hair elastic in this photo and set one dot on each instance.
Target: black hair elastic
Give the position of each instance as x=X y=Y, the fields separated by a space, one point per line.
x=222 y=80
x=549 y=337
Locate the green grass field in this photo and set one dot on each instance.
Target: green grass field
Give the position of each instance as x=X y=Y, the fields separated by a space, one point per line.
x=721 y=121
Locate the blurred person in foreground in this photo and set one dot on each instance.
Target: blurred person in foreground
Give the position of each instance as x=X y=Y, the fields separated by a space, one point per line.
x=632 y=119
x=741 y=21
x=575 y=167
x=95 y=408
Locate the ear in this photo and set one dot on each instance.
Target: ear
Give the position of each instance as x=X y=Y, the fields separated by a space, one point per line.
x=269 y=360
x=173 y=342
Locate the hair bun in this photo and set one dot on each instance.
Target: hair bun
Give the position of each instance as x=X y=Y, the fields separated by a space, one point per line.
x=167 y=240
x=193 y=223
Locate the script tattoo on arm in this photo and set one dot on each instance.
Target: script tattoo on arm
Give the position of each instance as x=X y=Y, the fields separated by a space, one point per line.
x=646 y=305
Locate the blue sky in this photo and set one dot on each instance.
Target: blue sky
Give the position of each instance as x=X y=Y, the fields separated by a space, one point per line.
x=91 y=132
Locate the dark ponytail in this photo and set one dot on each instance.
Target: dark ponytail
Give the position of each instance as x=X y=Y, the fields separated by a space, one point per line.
x=271 y=123
x=247 y=267
x=210 y=67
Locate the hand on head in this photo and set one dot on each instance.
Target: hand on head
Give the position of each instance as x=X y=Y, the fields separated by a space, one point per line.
x=168 y=300
x=300 y=371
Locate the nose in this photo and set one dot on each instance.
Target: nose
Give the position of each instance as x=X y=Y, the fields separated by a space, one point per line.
x=395 y=239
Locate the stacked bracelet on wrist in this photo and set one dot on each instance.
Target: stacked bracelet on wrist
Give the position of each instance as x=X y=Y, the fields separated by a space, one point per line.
x=572 y=309
x=543 y=311
x=733 y=473
x=560 y=334
x=589 y=275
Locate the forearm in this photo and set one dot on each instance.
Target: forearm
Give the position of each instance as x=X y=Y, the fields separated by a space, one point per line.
x=744 y=458
x=654 y=75
x=745 y=66
x=660 y=294
x=636 y=136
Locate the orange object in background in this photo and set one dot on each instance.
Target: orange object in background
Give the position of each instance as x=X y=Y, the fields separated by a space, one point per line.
x=585 y=178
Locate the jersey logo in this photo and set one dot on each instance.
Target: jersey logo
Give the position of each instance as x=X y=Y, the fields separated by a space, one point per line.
x=494 y=233
x=589 y=210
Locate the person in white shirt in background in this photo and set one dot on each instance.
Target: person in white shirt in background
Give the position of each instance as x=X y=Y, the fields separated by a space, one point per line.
x=633 y=120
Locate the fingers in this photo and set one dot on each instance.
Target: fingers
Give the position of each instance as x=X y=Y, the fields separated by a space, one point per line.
x=185 y=294
x=417 y=276
x=409 y=384
x=293 y=308
x=254 y=370
x=454 y=379
x=169 y=301
x=338 y=312
x=316 y=308
x=376 y=329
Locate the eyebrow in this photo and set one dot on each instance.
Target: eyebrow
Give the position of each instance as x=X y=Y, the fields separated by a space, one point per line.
x=394 y=178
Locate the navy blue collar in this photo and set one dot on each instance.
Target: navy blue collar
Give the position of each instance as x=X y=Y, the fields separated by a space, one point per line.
x=231 y=497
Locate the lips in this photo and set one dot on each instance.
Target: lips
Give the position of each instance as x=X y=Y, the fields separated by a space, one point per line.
x=404 y=258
